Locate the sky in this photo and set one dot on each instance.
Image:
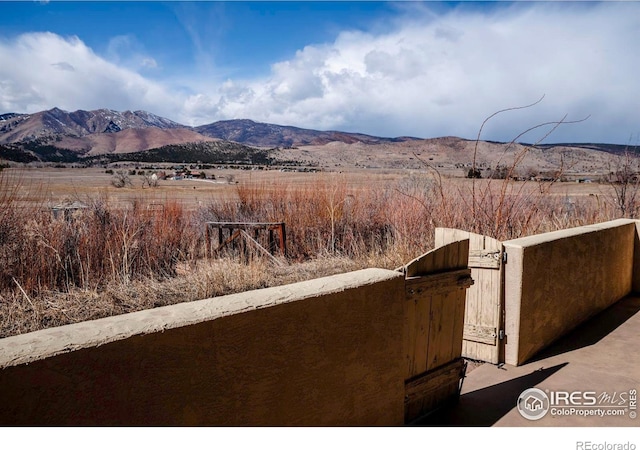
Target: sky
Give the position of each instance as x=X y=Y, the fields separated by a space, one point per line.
x=424 y=69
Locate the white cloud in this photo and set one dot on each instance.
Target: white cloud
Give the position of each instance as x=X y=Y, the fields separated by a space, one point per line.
x=149 y=63
x=444 y=76
x=432 y=75
x=64 y=66
x=127 y=51
x=41 y=70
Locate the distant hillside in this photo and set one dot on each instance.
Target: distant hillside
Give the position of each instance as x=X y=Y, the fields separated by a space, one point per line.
x=129 y=141
x=615 y=149
x=268 y=135
x=218 y=152
x=212 y=152
x=56 y=123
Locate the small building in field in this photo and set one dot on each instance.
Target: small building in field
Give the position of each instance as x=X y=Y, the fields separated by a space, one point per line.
x=66 y=209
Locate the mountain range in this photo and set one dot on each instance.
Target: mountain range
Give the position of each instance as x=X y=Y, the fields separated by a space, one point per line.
x=73 y=129
x=57 y=135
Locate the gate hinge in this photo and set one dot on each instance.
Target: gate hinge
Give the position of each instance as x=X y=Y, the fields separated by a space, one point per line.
x=501 y=334
x=504 y=257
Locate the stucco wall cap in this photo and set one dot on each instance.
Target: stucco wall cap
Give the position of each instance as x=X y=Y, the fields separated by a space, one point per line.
x=29 y=347
x=543 y=238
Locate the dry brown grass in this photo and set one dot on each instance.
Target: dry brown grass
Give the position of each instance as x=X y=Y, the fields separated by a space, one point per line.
x=20 y=313
x=114 y=258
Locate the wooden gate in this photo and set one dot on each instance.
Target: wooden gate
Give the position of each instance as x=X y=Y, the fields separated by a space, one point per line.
x=484 y=311
x=435 y=285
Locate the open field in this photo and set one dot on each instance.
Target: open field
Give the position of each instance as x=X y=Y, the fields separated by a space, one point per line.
x=133 y=248
x=50 y=186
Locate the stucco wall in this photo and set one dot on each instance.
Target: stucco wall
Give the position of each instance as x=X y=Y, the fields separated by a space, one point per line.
x=555 y=281
x=323 y=352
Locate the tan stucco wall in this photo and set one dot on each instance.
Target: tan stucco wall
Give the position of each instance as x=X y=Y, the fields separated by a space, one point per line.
x=555 y=281
x=635 y=287
x=323 y=352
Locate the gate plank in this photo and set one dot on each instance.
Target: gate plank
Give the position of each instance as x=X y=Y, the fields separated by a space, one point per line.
x=433 y=380
x=422 y=325
x=451 y=256
x=442 y=323
x=432 y=389
x=410 y=327
x=438 y=283
x=485 y=259
x=458 y=326
x=484 y=301
x=479 y=333
x=438 y=260
x=435 y=287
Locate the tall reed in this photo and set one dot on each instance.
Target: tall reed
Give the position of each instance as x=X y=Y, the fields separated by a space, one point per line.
x=122 y=259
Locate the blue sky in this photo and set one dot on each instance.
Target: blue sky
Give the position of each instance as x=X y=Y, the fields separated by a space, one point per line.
x=385 y=68
x=238 y=37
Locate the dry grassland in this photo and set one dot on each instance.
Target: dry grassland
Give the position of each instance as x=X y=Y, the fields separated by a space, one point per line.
x=135 y=247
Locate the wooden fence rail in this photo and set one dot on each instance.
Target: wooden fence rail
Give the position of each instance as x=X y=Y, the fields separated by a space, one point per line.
x=274 y=242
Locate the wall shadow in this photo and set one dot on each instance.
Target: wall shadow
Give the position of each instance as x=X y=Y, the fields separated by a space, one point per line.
x=484 y=407
x=593 y=330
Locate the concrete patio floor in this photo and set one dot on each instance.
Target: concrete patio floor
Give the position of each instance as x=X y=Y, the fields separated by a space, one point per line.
x=602 y=355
